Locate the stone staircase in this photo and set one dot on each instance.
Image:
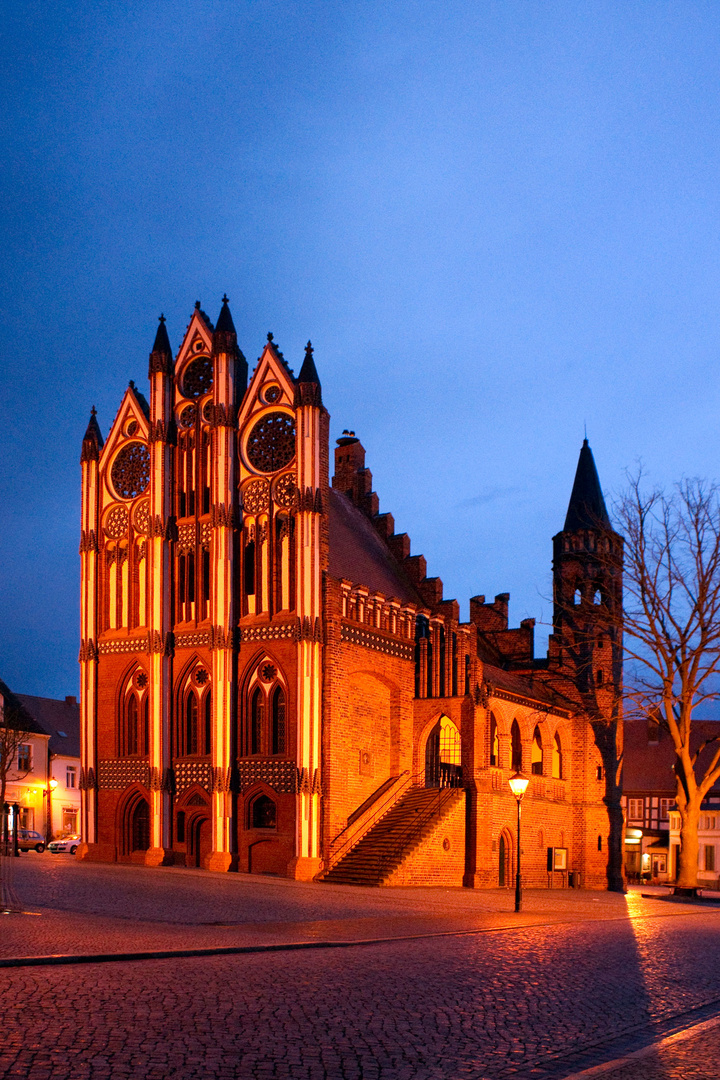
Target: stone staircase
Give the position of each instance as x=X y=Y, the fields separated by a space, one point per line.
x=391 y=839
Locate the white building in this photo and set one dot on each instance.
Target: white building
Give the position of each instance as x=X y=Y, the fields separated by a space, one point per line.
x=60 y=720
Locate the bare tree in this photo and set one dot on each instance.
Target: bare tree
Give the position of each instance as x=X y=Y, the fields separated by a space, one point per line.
x=14 y=734
x=671 y=620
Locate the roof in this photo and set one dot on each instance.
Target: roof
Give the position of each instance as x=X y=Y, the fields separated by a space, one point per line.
x=58 y=719
x=225 y=324
x=25 y=718
x=586 y=509
x=522 y=686
x=162 y=341
x=648 y=766
x=359 y=554
x=308 y=371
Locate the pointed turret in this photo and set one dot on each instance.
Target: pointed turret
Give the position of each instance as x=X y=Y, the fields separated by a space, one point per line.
x=586 y=509
x=225 y=341
x=225 y=323
x=93 y=441
x=307 y=387
x=161 y=355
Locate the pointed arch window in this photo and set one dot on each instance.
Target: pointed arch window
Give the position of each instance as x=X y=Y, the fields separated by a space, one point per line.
x=192 y=743
x=494 y=742
x=264 y=730
x=257 y=720
x=557 y=758
x=132 y=743
x=516 y=747
x=536 y=761
x=278 y=721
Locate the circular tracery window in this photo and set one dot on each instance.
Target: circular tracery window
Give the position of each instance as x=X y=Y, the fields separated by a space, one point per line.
x=187 y=416
x=130 y=472
x=271 y=444
x=198 y=377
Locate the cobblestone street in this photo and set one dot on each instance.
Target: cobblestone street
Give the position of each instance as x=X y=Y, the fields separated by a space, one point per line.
x=473 y=991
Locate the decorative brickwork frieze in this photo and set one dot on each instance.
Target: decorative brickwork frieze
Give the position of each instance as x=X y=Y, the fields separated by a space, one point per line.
x=123 y=645
x=358 y=635
x=117 y=773
x=280 y=775
x=192 y=640
x=187 y=773
x=273 y=632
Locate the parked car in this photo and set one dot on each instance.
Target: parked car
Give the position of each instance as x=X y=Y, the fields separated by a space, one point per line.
x=29 y=840
x=65 y=843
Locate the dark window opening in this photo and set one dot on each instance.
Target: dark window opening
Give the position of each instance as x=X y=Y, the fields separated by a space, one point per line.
x=180 y=827
x=516 y=743
x=257 y=721
x=250 y=568
x=191 y=725
x=207 y=706
x=263 y=813
x=278 y=721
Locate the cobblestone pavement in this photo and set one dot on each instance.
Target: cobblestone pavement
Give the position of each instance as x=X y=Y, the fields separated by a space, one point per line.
x=580 y=979
x=690 y=1055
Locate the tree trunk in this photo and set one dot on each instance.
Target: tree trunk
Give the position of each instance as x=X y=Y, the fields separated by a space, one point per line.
x=689 y=848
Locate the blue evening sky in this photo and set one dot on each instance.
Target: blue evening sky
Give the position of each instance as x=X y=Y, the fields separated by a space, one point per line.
x=497 y=221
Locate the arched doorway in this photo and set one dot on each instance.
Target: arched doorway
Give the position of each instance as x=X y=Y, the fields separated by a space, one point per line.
x=134 y=825
x=198 y=840
x=443 y=756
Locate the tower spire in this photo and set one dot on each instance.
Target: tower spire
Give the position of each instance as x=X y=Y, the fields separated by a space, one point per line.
x=92 y=442
x=586 y=509
x=161 y=355
x=307 y=387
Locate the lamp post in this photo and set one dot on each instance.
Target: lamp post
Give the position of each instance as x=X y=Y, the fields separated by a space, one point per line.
x=52 y=784
x=518 y=785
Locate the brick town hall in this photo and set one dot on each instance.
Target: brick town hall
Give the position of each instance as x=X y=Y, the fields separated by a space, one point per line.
x=271 y=682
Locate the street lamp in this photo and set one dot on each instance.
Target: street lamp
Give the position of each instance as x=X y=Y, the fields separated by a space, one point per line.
x=518 y=785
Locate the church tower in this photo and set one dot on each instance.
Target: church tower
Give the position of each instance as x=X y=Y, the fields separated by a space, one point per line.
x=585 y=648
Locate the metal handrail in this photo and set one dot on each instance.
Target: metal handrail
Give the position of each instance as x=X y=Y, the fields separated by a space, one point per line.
x=415 y=827
x=351 y=841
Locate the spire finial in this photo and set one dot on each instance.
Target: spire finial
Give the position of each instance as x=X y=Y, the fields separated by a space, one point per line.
x=197 y=305
x=225 y=298
x=162 y=318
x=269 y=336
x=131 y=384
x=309 y=349
x=93 y=411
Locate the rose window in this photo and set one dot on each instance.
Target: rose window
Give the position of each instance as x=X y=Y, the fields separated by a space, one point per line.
x=285 y=490
x=187 y=416
x=268 y=672
x=256 y=497
x=201 y=676
x=141 y=680
x=198 y=377
x=142 y=519
x=271 y=444
x=130 y=472
x=116 y=523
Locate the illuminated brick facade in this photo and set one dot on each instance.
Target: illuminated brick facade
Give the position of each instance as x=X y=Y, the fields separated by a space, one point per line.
x=267 y=670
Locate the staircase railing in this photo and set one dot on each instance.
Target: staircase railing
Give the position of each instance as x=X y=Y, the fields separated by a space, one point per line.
x=415 y=827
x=353 y=833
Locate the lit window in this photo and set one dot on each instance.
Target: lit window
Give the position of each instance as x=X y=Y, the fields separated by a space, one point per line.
x=24 y=758
x=70 y=776
x=709 y=857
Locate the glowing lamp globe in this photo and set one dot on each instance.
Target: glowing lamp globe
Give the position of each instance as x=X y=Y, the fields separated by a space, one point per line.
x=518 y=785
